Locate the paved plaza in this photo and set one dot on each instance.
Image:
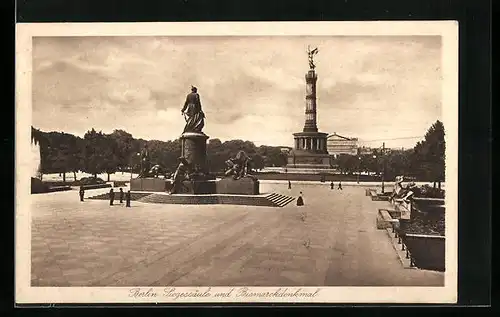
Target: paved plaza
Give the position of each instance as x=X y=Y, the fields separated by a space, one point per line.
x=331 y=241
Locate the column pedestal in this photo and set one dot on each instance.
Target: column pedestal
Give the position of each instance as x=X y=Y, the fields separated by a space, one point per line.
x=194 y=149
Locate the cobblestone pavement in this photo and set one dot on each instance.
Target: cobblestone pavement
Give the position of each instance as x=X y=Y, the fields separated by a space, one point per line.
x=331 y=241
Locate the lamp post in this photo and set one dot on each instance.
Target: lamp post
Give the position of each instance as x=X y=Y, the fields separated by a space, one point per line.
x=382 y=172
x=359 y=167
x=383 y=165
x=131 y=164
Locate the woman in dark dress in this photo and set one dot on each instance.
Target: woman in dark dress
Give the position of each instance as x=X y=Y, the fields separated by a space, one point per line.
x=300 y=200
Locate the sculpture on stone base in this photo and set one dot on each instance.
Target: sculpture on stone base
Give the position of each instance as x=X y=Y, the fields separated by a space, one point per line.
x=181 y=174
x=193 y=114
x=238 y=166
x=402 y=192
x=157 y=170
x=185 y=172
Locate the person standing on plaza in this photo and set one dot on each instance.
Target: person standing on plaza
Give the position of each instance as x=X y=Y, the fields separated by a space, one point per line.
x=331 y=185
x=289 y=185
x=340 y=185
x=127 y=199
x=111 y=196
x=300 y=200
x=121 y=195
x=82 y=193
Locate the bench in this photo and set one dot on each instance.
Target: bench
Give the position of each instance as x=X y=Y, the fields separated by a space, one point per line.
x=384 y=219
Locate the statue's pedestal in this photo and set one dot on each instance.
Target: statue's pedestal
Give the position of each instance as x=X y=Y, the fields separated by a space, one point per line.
x=194 y=149
x=197 y=187
x=150 y=184
x=243 y=186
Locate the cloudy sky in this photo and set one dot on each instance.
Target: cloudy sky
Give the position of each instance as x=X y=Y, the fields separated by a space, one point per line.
x=252 y=88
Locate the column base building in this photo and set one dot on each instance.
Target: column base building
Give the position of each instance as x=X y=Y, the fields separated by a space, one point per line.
x=309 y=151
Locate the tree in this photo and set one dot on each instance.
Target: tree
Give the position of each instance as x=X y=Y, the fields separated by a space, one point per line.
x=97 y=153
x=257 y=162
x=434 y=139
x=216 y=155
x=110 y=155
x=124 y=147
x=74 y=159
x=396 y=163
x=273 y=156
x=347 y=163
x=428 y=157
x=60 y=153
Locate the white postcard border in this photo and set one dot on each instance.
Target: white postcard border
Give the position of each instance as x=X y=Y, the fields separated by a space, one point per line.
x=448 y=30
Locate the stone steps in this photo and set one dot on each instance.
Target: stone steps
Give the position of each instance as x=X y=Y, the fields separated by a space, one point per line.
x=179 y=199
x=133 y=196
x=271 y=200
x=280 y=200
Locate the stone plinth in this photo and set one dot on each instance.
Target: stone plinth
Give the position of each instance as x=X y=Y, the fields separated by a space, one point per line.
x=198 y=187
x=308 y=160
x=309 y=151
x=150 y=184
x=244 y=186
x=194 y=149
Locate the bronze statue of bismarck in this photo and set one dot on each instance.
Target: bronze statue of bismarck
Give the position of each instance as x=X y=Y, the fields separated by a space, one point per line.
x=195 y=118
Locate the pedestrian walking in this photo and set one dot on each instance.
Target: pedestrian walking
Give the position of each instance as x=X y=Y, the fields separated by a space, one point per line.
x=289 y=185
x=127 y=199
x=121 y=195
x=111 y=196
x=331 y=185
x=300 y=200
x=82 y=193
x=340 y=185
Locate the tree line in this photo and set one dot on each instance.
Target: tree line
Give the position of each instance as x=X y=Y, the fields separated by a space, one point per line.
x=98 y=153
x=424 y=162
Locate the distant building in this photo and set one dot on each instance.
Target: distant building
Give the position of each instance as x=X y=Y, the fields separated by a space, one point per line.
x=337 y=144
x=365 y=150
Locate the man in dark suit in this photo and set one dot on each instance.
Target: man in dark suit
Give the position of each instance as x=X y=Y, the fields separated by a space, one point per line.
x=127 y=199
x=82 y=193
x=111 y=196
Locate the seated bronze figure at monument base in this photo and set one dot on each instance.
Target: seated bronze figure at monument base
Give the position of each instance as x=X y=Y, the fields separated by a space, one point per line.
x=238 y=180
x=238 y=166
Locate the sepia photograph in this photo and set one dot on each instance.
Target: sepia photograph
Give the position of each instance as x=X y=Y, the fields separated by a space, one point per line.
x=237 y=162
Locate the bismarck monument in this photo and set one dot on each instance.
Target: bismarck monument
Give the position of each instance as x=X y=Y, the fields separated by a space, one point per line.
x=310 y=149
x=192 y=175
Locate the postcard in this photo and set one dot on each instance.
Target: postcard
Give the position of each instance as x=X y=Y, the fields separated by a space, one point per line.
x=255 y=162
